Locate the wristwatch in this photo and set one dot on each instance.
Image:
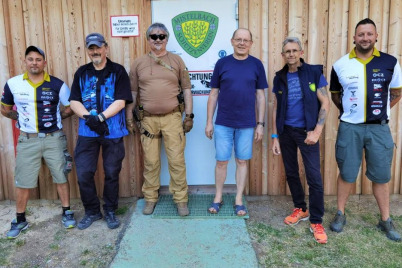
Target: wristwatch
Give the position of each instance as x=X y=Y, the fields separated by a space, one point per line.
x=261 y=123
x=190 y=115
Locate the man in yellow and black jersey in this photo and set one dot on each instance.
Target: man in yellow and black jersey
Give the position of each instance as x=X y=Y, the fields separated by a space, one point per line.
x=365 y=85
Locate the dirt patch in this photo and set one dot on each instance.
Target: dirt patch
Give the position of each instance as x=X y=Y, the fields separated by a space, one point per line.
x=47 y=244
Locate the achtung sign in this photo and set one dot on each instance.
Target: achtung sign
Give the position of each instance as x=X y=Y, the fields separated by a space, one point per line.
x=123 y=26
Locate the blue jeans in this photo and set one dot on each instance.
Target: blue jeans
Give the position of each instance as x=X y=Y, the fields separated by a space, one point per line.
x=86 y=160
x=291 y=139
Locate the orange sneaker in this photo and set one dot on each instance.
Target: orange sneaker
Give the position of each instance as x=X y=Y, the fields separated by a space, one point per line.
x=319 y=233
x=296 y=216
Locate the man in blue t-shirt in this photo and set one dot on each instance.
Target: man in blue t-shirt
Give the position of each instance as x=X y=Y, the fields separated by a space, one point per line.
x=301 y=106
x=238 y=84
x=99 y=94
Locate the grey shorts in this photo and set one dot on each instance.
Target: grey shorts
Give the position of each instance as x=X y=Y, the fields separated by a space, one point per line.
x=377 y=143
x=29 y=159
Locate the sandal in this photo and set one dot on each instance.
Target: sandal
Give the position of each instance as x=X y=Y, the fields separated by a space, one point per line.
x=216 y=207
x=239 y=208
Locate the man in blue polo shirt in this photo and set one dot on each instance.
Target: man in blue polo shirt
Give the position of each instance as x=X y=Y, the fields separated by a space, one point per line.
x=365 y=85
x=99 y=93
x=301 y=106
x=238 y=84
x=38 y=97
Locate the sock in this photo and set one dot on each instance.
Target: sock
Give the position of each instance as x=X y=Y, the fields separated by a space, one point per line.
x=65 y=209
x=21 y=217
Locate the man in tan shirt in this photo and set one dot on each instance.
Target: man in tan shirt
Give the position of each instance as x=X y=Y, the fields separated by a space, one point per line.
x=158 y=77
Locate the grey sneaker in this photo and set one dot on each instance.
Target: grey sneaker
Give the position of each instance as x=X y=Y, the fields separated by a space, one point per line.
x=88 y=220
x=182 y=209
x=111 y=220
x=149 y=208
x=389 y=229
x=68 y=219
x=16 y=229
x=338 y=222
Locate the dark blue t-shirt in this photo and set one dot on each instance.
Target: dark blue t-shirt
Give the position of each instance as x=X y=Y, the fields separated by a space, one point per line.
x=295 y=106
x=238 y=81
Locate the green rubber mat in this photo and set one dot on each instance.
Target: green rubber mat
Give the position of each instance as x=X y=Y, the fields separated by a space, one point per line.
x=198 y=205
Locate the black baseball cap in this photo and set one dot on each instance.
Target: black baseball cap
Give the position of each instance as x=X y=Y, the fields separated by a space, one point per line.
x=94 y=39
x=36 y=49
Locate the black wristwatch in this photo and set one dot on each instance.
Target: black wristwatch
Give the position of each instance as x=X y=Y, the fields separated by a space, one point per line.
x=261 y=123
x=190 y=115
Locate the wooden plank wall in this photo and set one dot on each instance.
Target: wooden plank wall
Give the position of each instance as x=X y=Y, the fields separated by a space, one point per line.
x=325 y=27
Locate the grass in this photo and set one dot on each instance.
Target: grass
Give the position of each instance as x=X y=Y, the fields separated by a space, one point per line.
x=359 y=245
x=121 y=210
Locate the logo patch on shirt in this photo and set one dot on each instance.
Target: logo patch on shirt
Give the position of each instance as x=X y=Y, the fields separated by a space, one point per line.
x=312 y=87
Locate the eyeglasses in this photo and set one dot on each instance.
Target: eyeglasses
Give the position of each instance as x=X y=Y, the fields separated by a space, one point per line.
x=245 y=41
x=293 y=51
x=156 y=36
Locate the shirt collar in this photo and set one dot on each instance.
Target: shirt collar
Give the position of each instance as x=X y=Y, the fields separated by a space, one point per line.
x=352 y=53
x=46 y=76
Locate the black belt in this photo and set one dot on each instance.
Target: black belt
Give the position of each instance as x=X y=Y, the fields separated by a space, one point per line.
x=374 y=122
x=39 y=135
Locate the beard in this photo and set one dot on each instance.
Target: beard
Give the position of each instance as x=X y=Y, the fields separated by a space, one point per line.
x=364 y=50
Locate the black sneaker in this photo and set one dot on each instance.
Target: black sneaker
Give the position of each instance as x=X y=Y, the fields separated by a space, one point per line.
x=111 y=220
x=88 y=220
x=17 y=228
x=338 y=222
x=389 y=229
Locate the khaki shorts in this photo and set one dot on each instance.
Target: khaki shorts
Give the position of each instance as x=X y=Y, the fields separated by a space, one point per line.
x=29 y=159
x=377 y=143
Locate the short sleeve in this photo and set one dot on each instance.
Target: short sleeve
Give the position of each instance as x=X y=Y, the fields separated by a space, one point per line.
x=123 y=91
x=75 y=94
x=396 y=81
x=64 y=95
x=335 y=86
x=7 y=97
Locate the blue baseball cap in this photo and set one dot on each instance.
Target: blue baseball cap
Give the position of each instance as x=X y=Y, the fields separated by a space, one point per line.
x=36 y=49
x=94 y=39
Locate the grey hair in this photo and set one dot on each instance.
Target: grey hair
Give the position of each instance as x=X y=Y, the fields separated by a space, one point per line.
x=157 y=25
x=291 y=40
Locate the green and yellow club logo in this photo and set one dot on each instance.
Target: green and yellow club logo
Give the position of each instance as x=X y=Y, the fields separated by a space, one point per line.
x=195 y=31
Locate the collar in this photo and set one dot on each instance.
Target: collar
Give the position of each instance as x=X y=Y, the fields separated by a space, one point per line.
x=109 y=66
x=46 y=76
x=352 y=53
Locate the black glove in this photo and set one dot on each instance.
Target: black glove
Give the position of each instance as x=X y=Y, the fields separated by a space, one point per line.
x=93 y=122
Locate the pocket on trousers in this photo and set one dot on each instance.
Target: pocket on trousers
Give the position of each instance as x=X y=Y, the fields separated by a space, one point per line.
x=340 y=151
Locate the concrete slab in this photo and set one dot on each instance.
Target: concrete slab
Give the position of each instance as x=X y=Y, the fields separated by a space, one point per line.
x=153 y=242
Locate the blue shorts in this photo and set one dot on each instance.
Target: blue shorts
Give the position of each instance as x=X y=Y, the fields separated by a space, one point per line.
x=243 y=142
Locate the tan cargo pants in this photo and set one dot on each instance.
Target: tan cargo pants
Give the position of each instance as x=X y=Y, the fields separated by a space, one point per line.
x=171 y=129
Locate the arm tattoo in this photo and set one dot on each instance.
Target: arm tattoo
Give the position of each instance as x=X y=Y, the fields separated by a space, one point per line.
x=12 y=115
x=323 y=91
x=394 y=94
x=321 y=117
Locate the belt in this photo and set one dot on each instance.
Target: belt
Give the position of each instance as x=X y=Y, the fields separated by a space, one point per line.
x=39 y=135
x=374 y=122
x=177 y=109
x=377 y=122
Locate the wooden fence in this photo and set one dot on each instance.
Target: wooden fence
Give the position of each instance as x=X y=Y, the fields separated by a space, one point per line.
x=326 y=28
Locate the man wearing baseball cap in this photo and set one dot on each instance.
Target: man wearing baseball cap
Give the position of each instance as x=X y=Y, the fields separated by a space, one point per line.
x=99 y=94
x=42 y=103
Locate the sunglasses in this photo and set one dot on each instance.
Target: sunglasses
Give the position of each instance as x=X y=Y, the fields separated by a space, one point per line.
x=156 y=36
